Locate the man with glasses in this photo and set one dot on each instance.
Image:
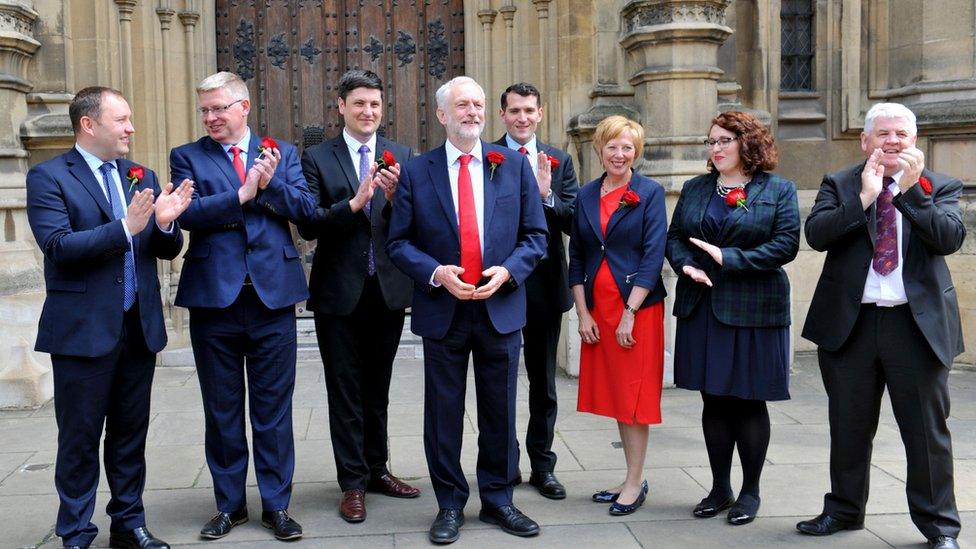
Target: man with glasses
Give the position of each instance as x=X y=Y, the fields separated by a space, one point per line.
x=241 y=279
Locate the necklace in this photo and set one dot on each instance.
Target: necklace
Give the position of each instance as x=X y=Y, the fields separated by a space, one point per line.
x=604 y=190
x=722 y=189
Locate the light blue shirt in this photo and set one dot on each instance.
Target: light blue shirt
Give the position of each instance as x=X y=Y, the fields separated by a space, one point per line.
x=243 y=145
x=533 y=147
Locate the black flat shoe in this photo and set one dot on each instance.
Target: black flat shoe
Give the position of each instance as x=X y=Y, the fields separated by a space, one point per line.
x=446 y=527
x=825 y=525
x=605 y=497
x=221 y=524
x=709 y=507
x=511 y=520
x=284 y=527
x=618 y=509
x=548 y=485
x=744 y=511
x=139 y=538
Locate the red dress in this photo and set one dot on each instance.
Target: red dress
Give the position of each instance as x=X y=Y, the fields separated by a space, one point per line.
x=624 y=384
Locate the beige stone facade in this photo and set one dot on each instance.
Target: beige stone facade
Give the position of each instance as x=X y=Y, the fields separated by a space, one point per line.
x=671 y=64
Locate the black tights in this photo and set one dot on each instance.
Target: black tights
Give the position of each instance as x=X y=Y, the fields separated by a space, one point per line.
x=728 y=422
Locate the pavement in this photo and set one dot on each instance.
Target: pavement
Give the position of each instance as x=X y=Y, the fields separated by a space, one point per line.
x=179 y=498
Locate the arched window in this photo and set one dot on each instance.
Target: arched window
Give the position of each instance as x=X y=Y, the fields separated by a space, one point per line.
x=796 y=46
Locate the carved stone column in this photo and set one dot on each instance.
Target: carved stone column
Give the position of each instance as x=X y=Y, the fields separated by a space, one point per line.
x=508 y=14
x=487 y=18
x=542 y=12
x=126 y=8
x=189 y=20
x=25 y=376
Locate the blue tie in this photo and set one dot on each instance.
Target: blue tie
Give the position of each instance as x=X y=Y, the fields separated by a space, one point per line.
x=118 y=210
x=368 y=208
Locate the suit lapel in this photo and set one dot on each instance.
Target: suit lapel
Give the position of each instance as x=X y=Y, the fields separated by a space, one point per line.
x=701 y=202
x=341 y=152
x=590 y=203
x=253 y=150
x=123 y=166
x=618 y=213
x=80 y=170
x=753 y=190
x=216 y=154
x=441 y=181
x=490 y=191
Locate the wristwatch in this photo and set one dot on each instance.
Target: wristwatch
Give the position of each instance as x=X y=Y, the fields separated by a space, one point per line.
x=630 y=309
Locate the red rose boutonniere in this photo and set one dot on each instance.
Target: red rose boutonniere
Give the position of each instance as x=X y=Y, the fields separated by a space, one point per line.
x=386 y=161
x=267 y=143
x=736 y=198
x=925 y=184
x=135 y=175
x=628 y=200
x=553 y=162
x=494 y=159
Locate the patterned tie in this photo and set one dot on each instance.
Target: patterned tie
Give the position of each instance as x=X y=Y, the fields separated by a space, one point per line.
x=468 y=225
x=886 y=243
x=523 y=150
x=238 y=163
x=368 y=208
x=118 y=210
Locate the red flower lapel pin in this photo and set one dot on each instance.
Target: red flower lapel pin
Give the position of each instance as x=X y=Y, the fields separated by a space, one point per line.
x=628 y=200
x=386 y=161
x=267 y=143
x=134 y=176
x=925 y=184
x=494 y=159
x=736 y=198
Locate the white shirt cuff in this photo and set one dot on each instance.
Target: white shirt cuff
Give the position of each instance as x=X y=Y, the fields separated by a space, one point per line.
x=433 y=282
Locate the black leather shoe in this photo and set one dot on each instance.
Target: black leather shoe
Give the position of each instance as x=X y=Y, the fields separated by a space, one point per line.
x=710 y=507
x=284 y=527
x=618 y=509
x=605 y=497
x=446 y=526
x=744 y=511
x=511 y=520
x=943 y=542
x=75 y=546
x=140 y=538
x=548 y=486
x=221 y=524
x=825 y=525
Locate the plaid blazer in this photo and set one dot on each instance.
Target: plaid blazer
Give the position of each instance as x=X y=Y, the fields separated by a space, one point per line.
x=750 y=288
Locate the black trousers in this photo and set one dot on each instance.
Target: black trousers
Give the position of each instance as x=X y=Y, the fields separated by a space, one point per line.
x=887 y=350
x=111 y=390
x=540 y=338
x=357 y=353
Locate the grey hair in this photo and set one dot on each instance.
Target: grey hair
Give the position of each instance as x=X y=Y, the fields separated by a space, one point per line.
x=227 y=80
x=445 y=89
x=889 y=110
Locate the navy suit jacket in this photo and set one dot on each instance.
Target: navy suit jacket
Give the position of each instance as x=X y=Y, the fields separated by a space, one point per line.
x=633 y=246
x=424 y=235
x=84 y=248
x=228 y=240
x=750 y=288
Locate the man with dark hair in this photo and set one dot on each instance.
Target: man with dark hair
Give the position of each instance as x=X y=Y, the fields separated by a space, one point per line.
x=101 y=222
x=357 y=295
x=546 y=289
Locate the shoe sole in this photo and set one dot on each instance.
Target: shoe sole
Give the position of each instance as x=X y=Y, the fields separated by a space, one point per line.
x=853 y=527
x=718 y=510
x=353 y=520
x=389 y=495
x=232 y=525
x=488 y=520
x=269 y=526
x=440 y=541
x=545 y=495
x=741 y=521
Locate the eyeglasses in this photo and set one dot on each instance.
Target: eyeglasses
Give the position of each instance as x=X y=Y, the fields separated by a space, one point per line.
x=722 y=142
x=204 y=111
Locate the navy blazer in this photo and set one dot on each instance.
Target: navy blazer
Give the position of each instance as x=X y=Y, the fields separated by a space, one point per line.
x=424 y=235
x=228 y=240
x=634 y=242
x=84 y=246
x=750 y=288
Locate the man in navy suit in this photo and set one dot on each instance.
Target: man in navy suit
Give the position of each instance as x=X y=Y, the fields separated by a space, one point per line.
x=241 y=279
x=468 y=228
x=358 y=296
x=546 y=290
x=101 y=226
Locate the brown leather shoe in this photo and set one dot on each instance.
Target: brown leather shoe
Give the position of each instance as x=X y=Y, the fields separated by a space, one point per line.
x=353 y=506
x=389 y=485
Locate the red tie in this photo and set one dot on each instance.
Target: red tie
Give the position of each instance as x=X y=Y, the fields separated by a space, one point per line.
x=523 y=150
x=238 y=163
x=468 y=225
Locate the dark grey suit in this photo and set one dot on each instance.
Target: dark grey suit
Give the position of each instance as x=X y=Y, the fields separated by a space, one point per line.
x=358 y=317
x=909 y=348
x=547 y=298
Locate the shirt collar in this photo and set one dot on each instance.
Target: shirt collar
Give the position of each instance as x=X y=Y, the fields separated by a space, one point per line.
x=94 y=162
x=243 y=144
x=453 y=152
x=354 y=143
x=530 y=146
x=895 y=189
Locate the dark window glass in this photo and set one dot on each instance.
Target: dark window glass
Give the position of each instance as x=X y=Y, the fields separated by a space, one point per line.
x=796 y=47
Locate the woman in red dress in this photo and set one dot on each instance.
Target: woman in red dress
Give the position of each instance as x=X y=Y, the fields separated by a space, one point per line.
x=616 y=254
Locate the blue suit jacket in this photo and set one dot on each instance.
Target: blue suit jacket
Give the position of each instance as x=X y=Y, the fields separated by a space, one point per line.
x=633 y=246
x=84 y=246
x=228 y=240
x=424 y=235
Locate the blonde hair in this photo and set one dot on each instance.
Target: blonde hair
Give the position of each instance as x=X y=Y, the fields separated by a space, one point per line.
x=228 y=80
x=612 y=127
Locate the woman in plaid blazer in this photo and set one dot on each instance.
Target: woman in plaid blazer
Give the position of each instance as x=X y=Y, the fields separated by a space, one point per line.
x=732 y=231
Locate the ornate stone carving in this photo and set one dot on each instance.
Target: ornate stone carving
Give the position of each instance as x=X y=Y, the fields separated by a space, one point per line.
x=165 y=17
x=648 y=13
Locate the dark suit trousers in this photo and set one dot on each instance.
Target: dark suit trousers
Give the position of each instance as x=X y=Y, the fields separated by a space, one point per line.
x=357 y=353
x=113 y=390
x=496 y=358
x=886 y=349
x=540 y=338
x=249 y=339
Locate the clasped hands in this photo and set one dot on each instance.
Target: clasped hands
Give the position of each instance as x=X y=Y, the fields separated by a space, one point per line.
x=385 y=179
x=170 y=203
x=448 y=276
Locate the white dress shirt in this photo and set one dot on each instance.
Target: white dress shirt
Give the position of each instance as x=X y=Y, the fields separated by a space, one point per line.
x=354 y=145
x=889 y=290
x=477 y=188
